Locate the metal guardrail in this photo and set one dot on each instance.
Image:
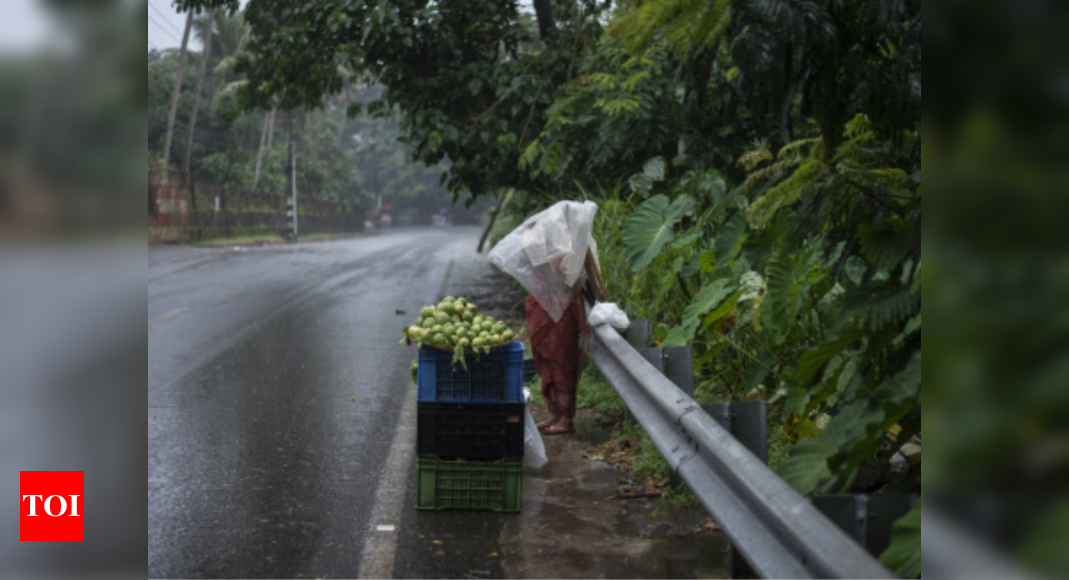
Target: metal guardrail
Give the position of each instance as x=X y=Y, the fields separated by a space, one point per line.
x=779 y=531
x=947 y=551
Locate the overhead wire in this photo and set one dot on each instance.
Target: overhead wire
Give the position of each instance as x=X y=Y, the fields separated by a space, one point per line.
x=164 y=30
x=164 y=17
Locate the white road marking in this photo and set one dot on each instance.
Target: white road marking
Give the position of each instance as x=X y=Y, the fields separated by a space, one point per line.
x=167 y=315
x=384 y=528
x=377 y=560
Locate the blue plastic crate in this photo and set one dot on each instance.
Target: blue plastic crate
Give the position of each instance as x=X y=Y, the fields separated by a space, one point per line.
x=490 y=378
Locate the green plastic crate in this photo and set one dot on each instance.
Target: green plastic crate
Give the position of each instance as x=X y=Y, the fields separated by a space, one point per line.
x=470 y=485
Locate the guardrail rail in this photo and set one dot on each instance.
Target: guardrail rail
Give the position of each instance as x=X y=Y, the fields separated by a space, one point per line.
x=780 y=533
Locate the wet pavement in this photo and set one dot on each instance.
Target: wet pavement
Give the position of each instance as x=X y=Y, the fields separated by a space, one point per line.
x=276 y=390
x=570 y=526
x=275 y=386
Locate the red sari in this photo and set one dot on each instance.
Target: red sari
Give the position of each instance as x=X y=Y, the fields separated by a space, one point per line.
x=558 y=352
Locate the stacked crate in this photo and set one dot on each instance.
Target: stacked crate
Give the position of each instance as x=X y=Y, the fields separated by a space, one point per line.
x=470 y=430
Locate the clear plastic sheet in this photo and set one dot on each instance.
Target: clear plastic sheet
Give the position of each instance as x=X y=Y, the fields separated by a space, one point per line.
x=547 y=251
x=534 y=450
x=608 y=313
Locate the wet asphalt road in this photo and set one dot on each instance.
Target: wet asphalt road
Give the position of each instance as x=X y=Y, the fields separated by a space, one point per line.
x=275 y=387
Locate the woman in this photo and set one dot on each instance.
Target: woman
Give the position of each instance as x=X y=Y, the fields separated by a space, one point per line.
x=559 y=354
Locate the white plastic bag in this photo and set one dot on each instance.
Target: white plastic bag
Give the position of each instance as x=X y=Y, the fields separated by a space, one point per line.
x=534 y=451
x=608 y=313
x=547 y=251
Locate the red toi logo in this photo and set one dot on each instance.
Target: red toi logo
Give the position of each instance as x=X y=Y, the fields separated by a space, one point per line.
x=51 y=506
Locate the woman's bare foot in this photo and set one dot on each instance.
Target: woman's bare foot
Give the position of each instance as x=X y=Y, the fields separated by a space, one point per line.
x=563 y=425
x=544 y=426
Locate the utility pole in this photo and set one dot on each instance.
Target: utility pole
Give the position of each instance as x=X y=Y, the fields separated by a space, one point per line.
x=292 y=167
x=294 y=157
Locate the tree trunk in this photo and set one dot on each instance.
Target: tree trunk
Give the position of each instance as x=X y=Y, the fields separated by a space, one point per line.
x=196 y=92
x=344 y=115
x=271 y=130
x=547 y=28
x=260 y=152
x=177 y=91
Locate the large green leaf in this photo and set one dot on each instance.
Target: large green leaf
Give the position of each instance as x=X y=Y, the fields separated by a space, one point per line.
x=682 y=334
x=654 y=168
x=903 y=555
x=813 y=359
x=652 y=172
x=852 y=435
x=647 y=231
x=807 y=464
x=730 y=239
x=707 y=261
x=861 y=425
x=787 y=284
x=726 y=307
x=710 y=297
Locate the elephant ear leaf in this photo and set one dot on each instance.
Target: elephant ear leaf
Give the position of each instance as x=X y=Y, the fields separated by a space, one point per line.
x=652 y=225
x=903 y=556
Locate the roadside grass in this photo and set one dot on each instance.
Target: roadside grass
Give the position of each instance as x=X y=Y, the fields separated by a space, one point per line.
x=270 y=239
x=243 y=240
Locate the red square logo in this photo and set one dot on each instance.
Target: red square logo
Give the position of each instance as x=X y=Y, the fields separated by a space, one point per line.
x=51 y=506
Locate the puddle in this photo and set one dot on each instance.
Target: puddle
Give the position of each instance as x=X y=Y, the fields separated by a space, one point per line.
x=571 y=526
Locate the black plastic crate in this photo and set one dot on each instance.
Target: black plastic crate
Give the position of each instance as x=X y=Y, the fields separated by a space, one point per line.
x=470 y=431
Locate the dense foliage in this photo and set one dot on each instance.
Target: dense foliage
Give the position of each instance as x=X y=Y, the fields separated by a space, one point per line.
x=757 y=164
x=470 y=79
x=338 y=158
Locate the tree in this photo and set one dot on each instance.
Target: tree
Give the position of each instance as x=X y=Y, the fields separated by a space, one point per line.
x=470 y=80
x=177 y=88
x=207 y=39
x=231 y=33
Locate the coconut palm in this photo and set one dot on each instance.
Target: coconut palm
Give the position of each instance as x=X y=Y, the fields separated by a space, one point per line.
x=177 y=88
x=229 y=33
x=204 y=57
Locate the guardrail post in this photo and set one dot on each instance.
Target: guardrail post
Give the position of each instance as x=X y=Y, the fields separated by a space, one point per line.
x=638 y=334
x=866 y=519
x=884 y=510
x=720 y=412
x=749 y=424
x=677 y=363
x=654 y=356
x=849 y=512
x=747 y=421
x=679 y=367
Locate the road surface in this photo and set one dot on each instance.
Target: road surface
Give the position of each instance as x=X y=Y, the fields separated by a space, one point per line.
x=276 y=389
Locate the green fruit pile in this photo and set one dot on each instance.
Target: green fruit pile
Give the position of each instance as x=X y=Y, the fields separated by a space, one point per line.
x=455 y=324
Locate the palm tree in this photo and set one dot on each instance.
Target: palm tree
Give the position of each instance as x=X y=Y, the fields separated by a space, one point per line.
x=229 y=34
x=177 y=89
x=207 y=39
